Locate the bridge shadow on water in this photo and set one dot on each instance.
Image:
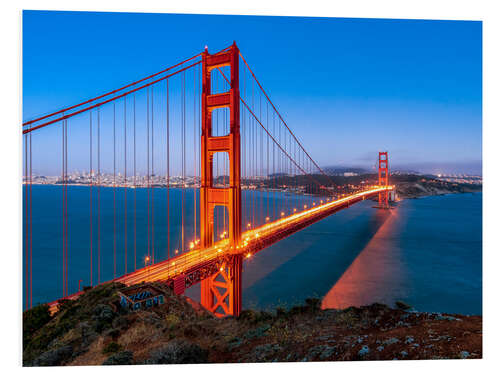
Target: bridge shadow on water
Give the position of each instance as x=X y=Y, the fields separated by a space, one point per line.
x=346 y=259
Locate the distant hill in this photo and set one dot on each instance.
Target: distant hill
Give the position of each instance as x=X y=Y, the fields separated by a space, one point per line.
x=336 y=170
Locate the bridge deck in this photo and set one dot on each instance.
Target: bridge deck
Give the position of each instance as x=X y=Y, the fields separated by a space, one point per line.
x=199 y=262
x=252 y=240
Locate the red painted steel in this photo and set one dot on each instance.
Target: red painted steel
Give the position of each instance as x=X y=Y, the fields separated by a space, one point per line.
x=193 y=268
x=109 y=93
x=383 y=179
x=216 y=264
x=229 y=301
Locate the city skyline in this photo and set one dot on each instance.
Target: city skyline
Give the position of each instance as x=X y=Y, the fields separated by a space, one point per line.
x=419 y=97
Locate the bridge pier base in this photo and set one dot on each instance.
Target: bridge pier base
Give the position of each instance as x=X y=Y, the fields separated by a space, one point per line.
x=221 y=292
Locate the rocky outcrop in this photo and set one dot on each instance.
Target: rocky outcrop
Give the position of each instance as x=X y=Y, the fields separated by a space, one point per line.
x=95 y=330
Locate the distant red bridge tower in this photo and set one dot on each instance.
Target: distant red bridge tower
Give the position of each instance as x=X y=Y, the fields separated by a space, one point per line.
x=383 y=179
x=221 y=292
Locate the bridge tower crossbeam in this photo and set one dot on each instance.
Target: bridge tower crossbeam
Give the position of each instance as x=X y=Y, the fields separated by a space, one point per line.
x=221 y=292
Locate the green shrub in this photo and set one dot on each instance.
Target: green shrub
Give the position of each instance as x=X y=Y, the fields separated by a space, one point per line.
x=172 y=321
x=33 y=320
x=112 y=347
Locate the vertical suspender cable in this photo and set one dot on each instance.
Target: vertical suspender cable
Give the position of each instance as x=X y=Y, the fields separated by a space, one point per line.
x=252 y=159
x=194 y=149
x=90 y=194
x=25 y=221
x=267 y=169
x=183 y=154
x=66 y=198
x=147 y=178
x=152 y=176
x=168 y=173
x=98 y=195
x=31 y=224
x=261 y=164
x=63 y=214
x=274 y=168
x=243 y=157
x=65 y=269
x=125 y=174
x=114 y=190
x=135 y=197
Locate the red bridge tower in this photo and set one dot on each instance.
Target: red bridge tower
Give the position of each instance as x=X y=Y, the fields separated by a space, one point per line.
x=221 y=292
x=383 y=179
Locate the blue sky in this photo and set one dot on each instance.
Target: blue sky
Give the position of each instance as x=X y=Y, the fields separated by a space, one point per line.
x=347 y=87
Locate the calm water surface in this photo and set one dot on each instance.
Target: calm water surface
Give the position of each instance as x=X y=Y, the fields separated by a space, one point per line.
x=426 y=252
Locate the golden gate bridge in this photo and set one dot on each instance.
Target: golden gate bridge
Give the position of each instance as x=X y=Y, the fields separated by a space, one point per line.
x=205 y=124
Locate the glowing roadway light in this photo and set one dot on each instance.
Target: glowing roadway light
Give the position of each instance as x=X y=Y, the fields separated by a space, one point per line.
x=282 y=214
x=294 y=210
x=176 y=251
x=146 y=260
x=267 y=218
x=191 y=245
x=249 y=225
x=221 y=269
x=190 y=259
x=249 y=255
x=305 y=206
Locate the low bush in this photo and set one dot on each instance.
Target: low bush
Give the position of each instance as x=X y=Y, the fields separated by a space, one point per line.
x=112 y=347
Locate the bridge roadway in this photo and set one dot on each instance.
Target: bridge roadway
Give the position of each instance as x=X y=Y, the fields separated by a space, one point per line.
x=253 y=241
x=198 y=263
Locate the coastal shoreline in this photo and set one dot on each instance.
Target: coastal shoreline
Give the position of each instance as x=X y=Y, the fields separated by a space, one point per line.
x=96 y=329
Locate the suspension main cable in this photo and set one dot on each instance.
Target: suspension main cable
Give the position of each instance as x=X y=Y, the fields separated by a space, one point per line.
x=269 y=134
x=110 y=92
x=113 y=99
x=281 y=118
